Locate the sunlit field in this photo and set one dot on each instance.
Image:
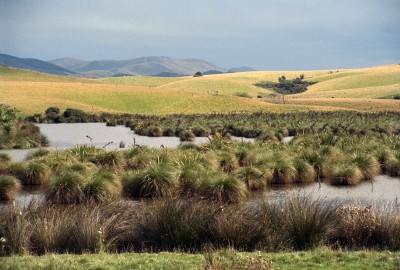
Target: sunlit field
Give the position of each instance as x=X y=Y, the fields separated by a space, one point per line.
x=367 y=89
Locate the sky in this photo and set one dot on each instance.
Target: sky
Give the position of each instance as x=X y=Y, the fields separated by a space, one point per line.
x=262 y=34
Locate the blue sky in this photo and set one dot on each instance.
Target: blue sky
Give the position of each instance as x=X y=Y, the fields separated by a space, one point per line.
x=266 y=35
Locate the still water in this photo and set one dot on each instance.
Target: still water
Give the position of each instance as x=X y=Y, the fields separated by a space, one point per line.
x=61 y=136
x=383 y=189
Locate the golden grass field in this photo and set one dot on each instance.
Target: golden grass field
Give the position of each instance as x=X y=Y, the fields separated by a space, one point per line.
x=365 y=89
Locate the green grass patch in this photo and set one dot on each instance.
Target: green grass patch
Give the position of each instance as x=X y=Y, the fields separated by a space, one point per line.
x=226 y=259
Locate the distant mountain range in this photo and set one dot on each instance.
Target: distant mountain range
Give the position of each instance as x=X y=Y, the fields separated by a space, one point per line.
x=143 y=66
x=33 y=64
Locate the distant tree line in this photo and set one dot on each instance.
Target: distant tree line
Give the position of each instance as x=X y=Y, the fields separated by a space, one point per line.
x=285 y=86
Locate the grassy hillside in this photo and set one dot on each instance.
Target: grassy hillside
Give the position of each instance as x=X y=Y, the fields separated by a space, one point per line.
x=368 y=89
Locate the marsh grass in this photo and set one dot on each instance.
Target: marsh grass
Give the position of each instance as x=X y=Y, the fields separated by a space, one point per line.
x=9 y=186
x=309 y=222
x=222 y=188
x=252 y=177
x=171 y=224
x=68 y=188
x=102 y=186
x=305 y=172
x=368 y=165
x=31 y=172
x=283 y=171
x=155 y=180
x=108 y=159
x=344 y=174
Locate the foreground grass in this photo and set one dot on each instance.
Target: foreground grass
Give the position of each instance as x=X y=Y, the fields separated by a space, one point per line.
x=322 y=258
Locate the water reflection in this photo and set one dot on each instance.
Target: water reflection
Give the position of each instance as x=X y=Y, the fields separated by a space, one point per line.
x=381 y=190
x=63 y=136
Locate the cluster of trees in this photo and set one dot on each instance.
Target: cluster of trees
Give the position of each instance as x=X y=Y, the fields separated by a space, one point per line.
x=287 y=87
x=54 y=115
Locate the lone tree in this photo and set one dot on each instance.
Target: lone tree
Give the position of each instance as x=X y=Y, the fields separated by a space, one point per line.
x=198 y=74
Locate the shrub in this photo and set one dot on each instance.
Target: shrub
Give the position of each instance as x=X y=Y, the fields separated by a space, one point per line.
x=9 y=186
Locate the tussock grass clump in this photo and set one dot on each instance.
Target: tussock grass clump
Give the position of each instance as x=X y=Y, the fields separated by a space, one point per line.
x=5 y=158
x=68 y=188
x=5 y=162
x=41 y=152
x=252 y=177
x=240 y=228
x=368 y=165
x=222 y=188
x=283 y=170
x=191 y=171
x=172 y=224
x=14 y=231
x=83 y=168
x=228 y=162
x=31 y=173
x=108 y=159
x=309 y=222
x=9 y=186
x=155 y=180
x=186 y=136
x=71 y=229
x=305 y=172
x=103 y=186
x=385 y=158
x=84 y=151
x=344 y=174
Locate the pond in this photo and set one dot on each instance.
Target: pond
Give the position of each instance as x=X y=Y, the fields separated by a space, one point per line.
x=63 y=136
x=383 y=189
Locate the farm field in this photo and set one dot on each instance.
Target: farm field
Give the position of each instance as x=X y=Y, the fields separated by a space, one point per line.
x=367 y=89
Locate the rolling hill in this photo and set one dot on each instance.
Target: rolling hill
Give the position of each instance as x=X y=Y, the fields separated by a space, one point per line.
x=144 y=66
x=364 y=89
x=33 y=64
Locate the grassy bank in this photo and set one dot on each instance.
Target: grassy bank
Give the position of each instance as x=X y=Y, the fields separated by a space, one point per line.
x=317 y=259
